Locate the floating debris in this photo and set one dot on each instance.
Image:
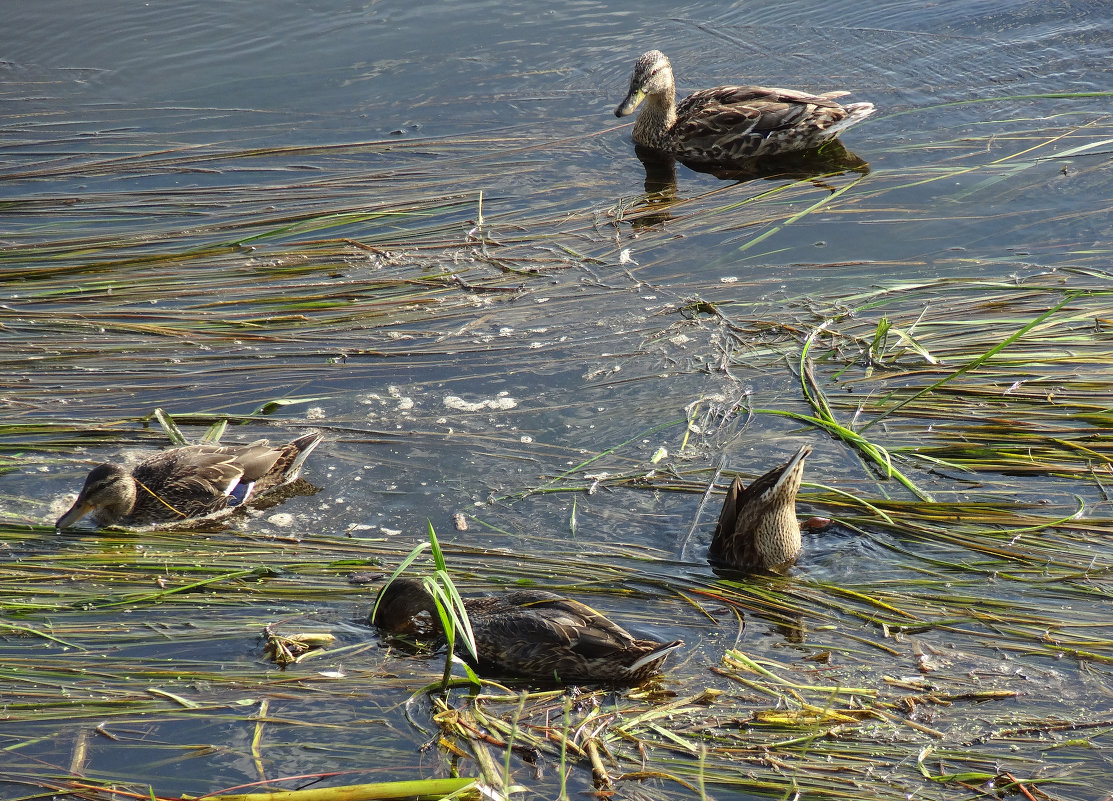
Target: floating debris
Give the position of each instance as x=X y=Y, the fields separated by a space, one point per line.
x=501 y=403
x=287 y=649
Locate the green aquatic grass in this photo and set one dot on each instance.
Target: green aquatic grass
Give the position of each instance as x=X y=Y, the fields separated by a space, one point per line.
x=949 y=559
x=454 y=622
x=974 y=657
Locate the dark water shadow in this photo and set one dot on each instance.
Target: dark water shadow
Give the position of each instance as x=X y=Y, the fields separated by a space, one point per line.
x=788 y=623
x=829 y=161
x=831 y=554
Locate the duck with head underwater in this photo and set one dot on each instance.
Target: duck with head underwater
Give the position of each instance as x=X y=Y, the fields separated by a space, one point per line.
x=757 y=529
x=730 y=123
x=530 y=634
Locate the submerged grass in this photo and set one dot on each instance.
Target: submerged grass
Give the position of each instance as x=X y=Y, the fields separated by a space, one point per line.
x=964 y=659
x=871 y=703
x=765 y=730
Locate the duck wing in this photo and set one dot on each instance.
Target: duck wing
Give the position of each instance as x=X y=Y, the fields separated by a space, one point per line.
x=733 y=540
x=562 y=620
x=269 y=467
x=184 y=482
x=544 y=635
x=733 y=122
x=198 y=469
x=255 y=460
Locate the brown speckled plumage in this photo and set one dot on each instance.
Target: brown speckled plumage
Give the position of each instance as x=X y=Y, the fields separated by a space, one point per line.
x=188 y=482
x=531 y=634
x=757 y=529
x=730 y=123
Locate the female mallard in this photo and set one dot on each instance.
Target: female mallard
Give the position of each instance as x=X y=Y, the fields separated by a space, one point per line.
x=757 y=528
x=530 y=634
x=730 y=123
x=187 y=482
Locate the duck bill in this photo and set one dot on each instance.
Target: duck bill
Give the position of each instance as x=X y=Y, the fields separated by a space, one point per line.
x=77 y=511
x=628 y=105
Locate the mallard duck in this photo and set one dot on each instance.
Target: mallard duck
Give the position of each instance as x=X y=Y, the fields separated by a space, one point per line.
x=757 y=528
x=730 y=123
x=530 y=634
x=182 y=483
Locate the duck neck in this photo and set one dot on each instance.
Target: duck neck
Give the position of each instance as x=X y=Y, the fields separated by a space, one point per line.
x=655 y=119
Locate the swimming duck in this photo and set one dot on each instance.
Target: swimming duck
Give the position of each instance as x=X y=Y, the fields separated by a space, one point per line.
x=730 y=123
x=182 y=483
x=530 y=634
x=757 y=529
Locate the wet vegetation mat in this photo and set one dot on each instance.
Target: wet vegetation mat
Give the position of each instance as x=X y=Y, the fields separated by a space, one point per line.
x=948 y=633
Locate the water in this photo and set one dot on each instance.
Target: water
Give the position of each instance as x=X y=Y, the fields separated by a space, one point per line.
x=226 y=136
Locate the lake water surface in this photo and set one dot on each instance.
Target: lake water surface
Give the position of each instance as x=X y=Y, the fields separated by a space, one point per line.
x=210 y=206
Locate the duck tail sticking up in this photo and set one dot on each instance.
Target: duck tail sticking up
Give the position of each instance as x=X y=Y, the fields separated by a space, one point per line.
x=857 y=113
x=649 y=663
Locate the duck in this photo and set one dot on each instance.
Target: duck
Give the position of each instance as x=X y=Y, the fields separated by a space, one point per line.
x=530 y=634
x=730 y=123
x=757 y=529
x=188 y=482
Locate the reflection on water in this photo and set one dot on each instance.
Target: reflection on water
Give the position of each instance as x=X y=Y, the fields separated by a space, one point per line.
x=832 y=159
x=829 y=161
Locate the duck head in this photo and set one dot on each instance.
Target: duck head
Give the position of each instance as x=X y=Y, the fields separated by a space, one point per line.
x=652 y=77
x=108 y=493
